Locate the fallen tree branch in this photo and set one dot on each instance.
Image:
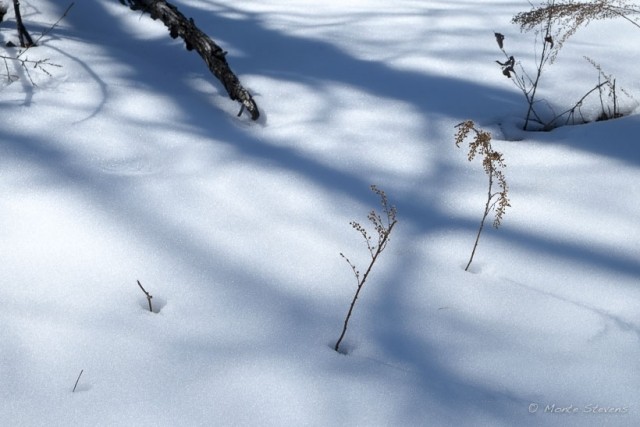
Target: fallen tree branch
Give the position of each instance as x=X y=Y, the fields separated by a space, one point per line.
x=212 y=54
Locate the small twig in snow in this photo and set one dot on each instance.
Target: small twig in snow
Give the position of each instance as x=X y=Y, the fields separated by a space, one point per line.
x=76 y=384
x=149 y=296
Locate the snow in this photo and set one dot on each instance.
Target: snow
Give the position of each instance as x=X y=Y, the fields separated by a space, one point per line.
x=129 y=163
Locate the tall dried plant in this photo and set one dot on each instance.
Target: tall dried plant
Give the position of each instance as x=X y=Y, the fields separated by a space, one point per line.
x=493 y=163
x=553 y=23
x=528 y=82
x=383 y=229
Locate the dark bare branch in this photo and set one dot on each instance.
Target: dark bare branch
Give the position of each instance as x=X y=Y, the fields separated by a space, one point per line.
x=23 y=34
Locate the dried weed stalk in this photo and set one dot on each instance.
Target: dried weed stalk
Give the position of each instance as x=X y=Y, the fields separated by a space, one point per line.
x=610 y=90
x=526 y=82
x=383 y=229
x=553 y=24
x=493 y=163
x=570 y=15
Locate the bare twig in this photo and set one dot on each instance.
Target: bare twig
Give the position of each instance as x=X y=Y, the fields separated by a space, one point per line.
x=76 y=384
x=10 y=77
x=383 y=229
x=570 y=112
x=48 y=30
x=149 y=296
x=27 y=63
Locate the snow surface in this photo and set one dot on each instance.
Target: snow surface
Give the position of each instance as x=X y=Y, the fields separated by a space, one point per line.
x=129 y=163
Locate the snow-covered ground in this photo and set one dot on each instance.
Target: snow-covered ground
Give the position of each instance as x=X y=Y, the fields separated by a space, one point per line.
x=129 y=163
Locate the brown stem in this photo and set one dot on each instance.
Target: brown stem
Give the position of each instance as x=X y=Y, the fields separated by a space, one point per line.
x=78 y=379
x=487 y=208
x=149 y=296
x=543 y=60
x=379 y=250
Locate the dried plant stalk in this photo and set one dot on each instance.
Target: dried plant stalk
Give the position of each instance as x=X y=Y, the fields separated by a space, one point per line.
x=383 y=229
x=492 y=162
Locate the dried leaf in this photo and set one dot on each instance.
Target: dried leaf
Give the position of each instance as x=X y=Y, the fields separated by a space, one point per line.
x=500 y=40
